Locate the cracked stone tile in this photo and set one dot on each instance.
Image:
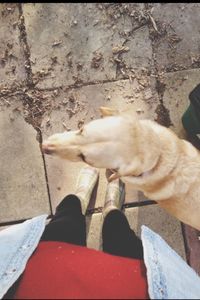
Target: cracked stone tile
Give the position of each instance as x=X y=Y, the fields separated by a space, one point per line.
x=64 y=48
x=172 y=53
x=139 y=55
x=178 y=86
x=23 y=190
x=11 y=55
x=79 y=106
x=77 y=46
x=130 y=16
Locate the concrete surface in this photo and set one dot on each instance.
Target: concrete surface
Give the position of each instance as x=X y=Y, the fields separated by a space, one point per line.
x=23 y=190
x=11 y=54
x=59 y=63
x=77 y=46
x=178 y=48
x=178 y=86
x=94 y=226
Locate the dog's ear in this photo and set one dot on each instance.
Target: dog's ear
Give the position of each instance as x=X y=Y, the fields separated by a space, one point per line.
x=107 y=111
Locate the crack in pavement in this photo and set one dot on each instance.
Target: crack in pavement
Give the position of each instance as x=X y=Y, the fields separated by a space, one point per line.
x=163 y=114
x=25 y=46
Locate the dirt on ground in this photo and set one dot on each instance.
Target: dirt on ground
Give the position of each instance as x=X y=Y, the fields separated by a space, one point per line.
x=37 y=102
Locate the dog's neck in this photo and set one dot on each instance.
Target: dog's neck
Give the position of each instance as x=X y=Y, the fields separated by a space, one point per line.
x=160 y=142
x=149 y=172
x=146 y=160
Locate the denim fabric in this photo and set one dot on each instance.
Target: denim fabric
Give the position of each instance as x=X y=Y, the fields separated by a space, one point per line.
x=17 y=243
x=169 y=277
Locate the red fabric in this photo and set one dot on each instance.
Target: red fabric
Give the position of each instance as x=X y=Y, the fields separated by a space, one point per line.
x=61 y=270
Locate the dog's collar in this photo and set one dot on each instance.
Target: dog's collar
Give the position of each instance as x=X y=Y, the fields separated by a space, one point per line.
x=146 y=173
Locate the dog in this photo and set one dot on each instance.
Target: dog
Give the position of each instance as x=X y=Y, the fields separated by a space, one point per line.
x=148 y=155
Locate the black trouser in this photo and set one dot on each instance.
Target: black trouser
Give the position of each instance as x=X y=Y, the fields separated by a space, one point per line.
x=69 y=225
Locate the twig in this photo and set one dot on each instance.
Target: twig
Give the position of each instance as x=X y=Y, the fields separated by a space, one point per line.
x=153 y=23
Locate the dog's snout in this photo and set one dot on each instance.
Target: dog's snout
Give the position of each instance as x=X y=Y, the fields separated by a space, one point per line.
x=47 y=149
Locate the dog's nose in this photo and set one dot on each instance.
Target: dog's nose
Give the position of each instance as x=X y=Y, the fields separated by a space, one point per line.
x=46 y=149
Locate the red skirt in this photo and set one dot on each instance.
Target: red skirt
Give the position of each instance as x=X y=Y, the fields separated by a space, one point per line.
x=67 y=271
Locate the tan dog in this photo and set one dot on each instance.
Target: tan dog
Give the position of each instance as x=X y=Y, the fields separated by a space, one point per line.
x=165 y=168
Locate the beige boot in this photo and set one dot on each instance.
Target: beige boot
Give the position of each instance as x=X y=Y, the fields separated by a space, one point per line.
x=86 y=181
x=115 y=195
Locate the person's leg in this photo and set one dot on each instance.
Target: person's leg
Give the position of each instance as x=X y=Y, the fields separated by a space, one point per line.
x=117 y=236
x=68 y=224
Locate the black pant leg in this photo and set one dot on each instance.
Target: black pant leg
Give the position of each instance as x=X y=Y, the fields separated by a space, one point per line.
x=68 y=224
x=118 y=238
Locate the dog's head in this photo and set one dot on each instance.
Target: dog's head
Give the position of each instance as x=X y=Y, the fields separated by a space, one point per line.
x=110 y=142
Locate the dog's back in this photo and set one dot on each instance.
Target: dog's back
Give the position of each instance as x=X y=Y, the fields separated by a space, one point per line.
x=174 y=181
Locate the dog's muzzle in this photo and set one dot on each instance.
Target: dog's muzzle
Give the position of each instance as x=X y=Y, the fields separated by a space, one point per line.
x=47 y=149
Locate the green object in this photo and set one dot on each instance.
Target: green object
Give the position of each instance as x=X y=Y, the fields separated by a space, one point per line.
x=190 y=121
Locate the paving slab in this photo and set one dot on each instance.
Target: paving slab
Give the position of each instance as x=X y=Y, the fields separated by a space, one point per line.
x=140 y=53
x=192 y=241
x=122 y=94
x=178 y=86
x=72 y=43
x=94 y=227
x=11 y=54
x=23 y=190
x=178 y=45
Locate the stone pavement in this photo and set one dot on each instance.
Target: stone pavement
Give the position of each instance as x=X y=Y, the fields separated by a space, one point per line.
x=58 y=64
